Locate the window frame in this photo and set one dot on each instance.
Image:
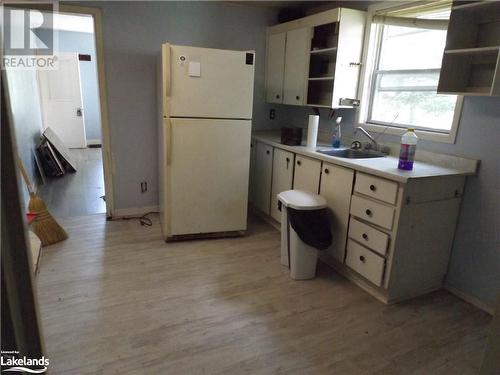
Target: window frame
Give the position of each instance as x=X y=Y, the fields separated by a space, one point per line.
x=368 y=76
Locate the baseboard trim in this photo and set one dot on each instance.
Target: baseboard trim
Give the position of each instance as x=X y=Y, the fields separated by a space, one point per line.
x=470 y=299
x=120 y=213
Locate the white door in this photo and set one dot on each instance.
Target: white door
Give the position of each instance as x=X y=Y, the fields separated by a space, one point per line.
x=307 y=174
x=263 y=176
x=208 y=83
x=282 y=178
x=61 y=101
x=336 y=188
x=275 y=67
x=296 y=66
x=207 y=175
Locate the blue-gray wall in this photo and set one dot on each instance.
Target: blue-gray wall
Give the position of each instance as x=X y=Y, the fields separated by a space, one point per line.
x=133 y=33
x=475 y=261
x=27 y=119
x=70 y=41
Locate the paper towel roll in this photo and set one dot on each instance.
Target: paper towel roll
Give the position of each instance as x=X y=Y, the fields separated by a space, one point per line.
x=312 y=131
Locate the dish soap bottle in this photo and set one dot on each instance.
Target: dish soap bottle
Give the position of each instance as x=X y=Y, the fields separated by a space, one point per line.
x=337 y=133
x=407 y=152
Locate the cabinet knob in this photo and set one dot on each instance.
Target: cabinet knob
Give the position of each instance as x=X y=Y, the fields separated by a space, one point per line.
x=373 y=187
x=362 y=258
x=277 y=96
x=297 y=97
x=287 y=160
x=267 y=152
x=327 y=171
x=365 y=236
x=368 y=212
x=298 y=162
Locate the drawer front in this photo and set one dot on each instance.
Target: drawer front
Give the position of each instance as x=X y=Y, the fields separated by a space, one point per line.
x=368 y=236
x=377 y=188
x=373 y=212
x=364 y=262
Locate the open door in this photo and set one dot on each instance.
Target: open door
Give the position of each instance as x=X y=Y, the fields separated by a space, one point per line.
x=61 y=100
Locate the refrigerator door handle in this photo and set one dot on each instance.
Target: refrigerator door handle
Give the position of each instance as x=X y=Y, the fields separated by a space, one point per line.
x=168 y=135
x=166 y=71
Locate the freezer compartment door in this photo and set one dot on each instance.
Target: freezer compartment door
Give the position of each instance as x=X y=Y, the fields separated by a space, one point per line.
x=204 y=82
x=208 y=165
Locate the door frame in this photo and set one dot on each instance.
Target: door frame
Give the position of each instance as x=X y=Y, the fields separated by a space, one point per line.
x=107 y=155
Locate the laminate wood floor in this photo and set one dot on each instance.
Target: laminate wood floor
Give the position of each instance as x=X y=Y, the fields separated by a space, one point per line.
x=116 y=299
x=78 y=193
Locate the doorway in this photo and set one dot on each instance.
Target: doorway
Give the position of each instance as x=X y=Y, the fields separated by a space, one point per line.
x=72 y=107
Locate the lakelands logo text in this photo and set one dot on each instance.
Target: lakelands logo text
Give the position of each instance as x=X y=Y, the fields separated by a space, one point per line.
x=29 y=38
x=10 y=363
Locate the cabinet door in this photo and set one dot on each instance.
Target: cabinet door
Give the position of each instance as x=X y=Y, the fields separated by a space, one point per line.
x=336 y=188
x=307 y=173
x=275 y=67
x=296 y=66
x=263 y=175
x=282 y=178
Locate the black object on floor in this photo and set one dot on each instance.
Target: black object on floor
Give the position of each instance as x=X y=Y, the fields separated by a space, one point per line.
x=312 y=227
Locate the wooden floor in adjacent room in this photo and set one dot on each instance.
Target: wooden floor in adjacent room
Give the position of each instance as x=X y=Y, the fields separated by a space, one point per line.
x=116 y=299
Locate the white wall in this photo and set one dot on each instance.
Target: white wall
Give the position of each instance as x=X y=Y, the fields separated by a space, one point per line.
x=27 y=119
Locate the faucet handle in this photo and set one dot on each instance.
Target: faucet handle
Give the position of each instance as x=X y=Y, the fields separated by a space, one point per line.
x=356 y=145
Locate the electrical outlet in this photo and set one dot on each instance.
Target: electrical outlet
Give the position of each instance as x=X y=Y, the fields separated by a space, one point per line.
x=144 y=187
x=272 y=114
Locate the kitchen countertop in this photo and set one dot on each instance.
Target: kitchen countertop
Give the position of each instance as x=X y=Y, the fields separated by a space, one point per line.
x=384 y=167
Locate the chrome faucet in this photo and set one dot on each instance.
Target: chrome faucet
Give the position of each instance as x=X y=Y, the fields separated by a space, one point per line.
x=375 y=144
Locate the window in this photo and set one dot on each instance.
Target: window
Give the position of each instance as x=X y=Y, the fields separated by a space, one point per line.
x=406 y=48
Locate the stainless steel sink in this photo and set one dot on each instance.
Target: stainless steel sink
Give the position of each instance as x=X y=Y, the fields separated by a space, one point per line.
x=350 y=153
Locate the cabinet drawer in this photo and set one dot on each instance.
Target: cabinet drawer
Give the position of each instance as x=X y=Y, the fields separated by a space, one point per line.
x=377 y=188
x=364 y=262
x=368 y=236
x=373 y=212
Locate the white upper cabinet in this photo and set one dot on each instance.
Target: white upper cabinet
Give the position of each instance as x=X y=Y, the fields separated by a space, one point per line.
x=321 y=62
x=471 y=60
x=275 y=67
x=296 y=65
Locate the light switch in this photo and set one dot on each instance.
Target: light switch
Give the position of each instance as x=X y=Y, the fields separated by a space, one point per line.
x=194 y=69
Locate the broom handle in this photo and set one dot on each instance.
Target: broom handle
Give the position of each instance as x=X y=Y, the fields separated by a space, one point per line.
x=25 y=176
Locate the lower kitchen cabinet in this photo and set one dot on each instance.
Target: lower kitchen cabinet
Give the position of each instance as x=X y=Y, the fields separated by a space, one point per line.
x=263 y=173
x=392 y=239
x=307 y=174
x=282 y=180
x=336 y=188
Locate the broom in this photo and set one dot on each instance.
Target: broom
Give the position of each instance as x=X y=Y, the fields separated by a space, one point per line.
x=44 y=225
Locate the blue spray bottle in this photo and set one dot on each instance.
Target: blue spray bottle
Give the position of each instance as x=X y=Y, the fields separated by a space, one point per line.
x=337 y=133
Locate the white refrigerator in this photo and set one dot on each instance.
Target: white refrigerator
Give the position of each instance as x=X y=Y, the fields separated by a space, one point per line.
x=206 y=116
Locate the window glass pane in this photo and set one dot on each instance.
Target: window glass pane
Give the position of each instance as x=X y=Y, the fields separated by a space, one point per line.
x=405 y=80
x=416 y=109
x=411 y=48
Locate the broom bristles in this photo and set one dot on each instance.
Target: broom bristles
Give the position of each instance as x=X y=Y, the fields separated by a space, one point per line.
x=44 y=225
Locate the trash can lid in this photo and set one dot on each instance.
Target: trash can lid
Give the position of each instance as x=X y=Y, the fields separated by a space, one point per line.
x=301 y=200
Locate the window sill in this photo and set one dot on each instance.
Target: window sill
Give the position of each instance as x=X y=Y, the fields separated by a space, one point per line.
x=422 y=134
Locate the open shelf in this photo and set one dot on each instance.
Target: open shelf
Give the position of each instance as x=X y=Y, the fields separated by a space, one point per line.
x=320 y=93
x=324 y=51
x=474 y=51
x=470 y=60
x=320 y=79
x=325 y=36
